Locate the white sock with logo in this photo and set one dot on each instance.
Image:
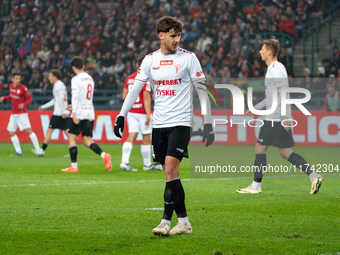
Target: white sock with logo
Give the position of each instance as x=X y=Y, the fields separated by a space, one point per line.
x=16 y=144
x=34 y=140
x=127 y=148
x=145 y=150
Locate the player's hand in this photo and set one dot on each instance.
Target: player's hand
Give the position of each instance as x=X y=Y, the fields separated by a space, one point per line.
x=40 y=108
x=249 y=113
x=1 y=99
x=208 y=133
x=64 y=116
x=147 y=122
x=21 y=106
x=69 y=107
x=286 y=123
x=75 y=119
x=119 y=126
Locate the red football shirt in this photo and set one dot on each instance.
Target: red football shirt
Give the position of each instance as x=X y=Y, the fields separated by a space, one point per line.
x=19 y=95
x=138 y=106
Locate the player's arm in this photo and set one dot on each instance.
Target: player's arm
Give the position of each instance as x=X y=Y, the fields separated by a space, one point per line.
x=28 y=101
x=141 y=78
x=147 y=105
x=198 y=80
x=125 y=89
x=258 y=106
x=74 y=101
x=47 y=105
x=5 y=98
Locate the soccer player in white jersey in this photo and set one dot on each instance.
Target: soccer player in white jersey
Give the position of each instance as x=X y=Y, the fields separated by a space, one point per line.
x=171 y=72
x=139 y=120
x=273 y=133
x=60 y=119
x=82 y=86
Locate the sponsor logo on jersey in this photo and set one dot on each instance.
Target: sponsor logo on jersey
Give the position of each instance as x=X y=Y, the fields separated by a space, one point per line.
x=199 y=74
x=156 y=68
x=166 y=92
x=177 y=67
x=168 y=82
x=166 y=62
x=18 y=91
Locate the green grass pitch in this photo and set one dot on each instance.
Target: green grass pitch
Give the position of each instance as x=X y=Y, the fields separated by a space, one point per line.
x=45 y=211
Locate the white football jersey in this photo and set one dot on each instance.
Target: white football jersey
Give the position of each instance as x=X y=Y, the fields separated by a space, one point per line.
x=276 y=76
x=171 y=79
x=59 y=99
x=82 y=86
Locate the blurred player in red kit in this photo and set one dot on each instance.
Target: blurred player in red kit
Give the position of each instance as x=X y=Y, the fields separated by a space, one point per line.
x=20 y=97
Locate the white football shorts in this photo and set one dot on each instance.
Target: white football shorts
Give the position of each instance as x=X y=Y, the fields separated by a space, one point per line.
x=136 y=123
x=18 y=120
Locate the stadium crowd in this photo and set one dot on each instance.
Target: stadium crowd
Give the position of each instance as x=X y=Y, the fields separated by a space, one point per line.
x=37 y=36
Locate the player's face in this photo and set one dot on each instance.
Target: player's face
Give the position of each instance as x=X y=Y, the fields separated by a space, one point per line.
x=51 y=78
x=264 y=53
x=16 y=80
x=170 y=40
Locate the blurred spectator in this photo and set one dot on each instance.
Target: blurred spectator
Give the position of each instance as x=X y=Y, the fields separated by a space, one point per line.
x=25 y=47
x=203 y=41
x=334 y=69
x=25 y=71
x=193 y=34
x=45 y=84
x=44 y=54
x=307 y=81
x=287 y=25
x=335 y=56
x=34 y=82
x=36 y=45
x=332 y=100
x=327 y=65
x=286 y=60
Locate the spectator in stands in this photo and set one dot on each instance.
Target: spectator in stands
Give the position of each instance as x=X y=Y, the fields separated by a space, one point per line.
x=203 y=41
x=25 y=71
x=319 y=80
x=332 y=100
x=335 y=56
x=286 y=60
x=36 y=45
x=327 y=65
x=34 y=82
x=334 y=69
x=307 y=81
x=25 y=47
x=193 y=34
x=287 y=25
x=45 y=84
x=44 y=54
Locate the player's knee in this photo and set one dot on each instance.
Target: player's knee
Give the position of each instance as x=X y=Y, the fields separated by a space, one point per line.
x=284 y=154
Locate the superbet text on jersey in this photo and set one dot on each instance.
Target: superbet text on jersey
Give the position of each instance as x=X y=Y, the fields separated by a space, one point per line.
x=171 y=78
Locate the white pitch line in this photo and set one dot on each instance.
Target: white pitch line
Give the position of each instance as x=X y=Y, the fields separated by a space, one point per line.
x=65 y=183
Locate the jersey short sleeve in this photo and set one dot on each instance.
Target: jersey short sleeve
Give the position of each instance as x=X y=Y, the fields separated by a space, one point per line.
x=147 y=87
x=195 y=68
x=143 y=71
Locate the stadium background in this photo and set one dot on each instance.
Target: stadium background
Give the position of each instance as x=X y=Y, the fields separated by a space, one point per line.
x=37 y=36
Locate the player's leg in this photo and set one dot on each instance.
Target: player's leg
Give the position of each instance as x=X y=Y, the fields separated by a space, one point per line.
x=299 y=162
x=24 y=123
x=74 y=131
x=145 y=148
x=267 y=136
x=47 y=139
x=133 y=125
x=177 y=149
x=126 y=152
x=12 y=127
x=87 y=132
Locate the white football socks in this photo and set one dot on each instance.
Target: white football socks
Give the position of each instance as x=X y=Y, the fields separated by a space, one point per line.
x=16 y=144
x=166 y=221
x=127 y=148
x=184 y=221
x=34 y=140
x=256 y=185
x=145 y=150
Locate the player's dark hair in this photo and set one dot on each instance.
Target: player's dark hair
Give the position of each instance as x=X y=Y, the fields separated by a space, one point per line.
x=139 y=61
x=166 y=23
x=272 y=45
x=56 y=73
x=77 y=62
x=15 y=74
